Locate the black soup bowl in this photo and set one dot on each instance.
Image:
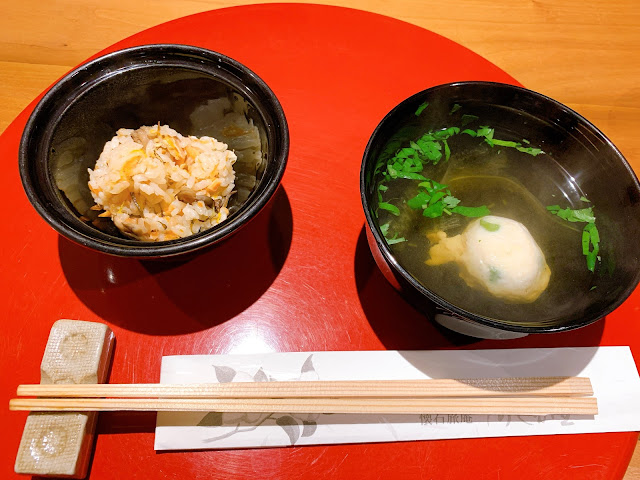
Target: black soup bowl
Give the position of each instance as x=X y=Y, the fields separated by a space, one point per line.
x=167 y=84
x=538 y=154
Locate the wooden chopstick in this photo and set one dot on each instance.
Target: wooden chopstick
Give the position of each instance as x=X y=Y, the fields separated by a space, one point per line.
x=495 y=406
x=480 y=387
x=501 y=396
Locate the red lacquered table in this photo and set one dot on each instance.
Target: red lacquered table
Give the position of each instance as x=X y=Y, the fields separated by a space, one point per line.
x=299 y=277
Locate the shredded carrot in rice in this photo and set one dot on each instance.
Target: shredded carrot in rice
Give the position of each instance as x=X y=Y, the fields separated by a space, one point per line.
x=141 y=175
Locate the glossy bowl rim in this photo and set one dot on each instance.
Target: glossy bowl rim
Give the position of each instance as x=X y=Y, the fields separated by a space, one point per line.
x=138 y=249
x=431 y=296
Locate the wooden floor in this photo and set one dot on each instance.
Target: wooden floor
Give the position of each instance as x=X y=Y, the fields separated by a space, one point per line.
x=575 y=51
x=633 y=472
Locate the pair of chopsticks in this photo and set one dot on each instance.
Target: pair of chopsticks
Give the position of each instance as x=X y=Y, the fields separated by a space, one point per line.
x=499 y=396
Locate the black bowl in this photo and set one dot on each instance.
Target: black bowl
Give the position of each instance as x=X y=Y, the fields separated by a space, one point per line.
x=143 y=86
x=590 y=166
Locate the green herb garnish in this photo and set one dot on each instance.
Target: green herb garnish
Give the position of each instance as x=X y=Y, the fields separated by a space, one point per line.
x=472 y=211
x=487 y=133
x=395 y=239
x=450 y=202
x=530 y=150
x=447 y=150
x=467 y=119
x=492 y=227
x=580 y=215
x=409 y=162
x=504 y=143
x=593 y=246
x=494 y=274
x=590 y=234
x=455 y=108
x=389 y=208
x=434 y=210
x=435 y=199
x=408 y=157
x=421 y=108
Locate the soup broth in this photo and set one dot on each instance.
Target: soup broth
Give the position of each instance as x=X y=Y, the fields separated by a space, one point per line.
x=502 y=180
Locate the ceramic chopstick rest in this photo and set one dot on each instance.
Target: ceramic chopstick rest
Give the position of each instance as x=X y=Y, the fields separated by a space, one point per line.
x=60 y=444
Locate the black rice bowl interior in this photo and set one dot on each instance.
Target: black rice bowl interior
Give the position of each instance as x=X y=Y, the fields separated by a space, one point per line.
x=139 y=86
x=578 y=164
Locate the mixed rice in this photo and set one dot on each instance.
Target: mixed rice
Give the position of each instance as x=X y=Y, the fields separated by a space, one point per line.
x=156 y=184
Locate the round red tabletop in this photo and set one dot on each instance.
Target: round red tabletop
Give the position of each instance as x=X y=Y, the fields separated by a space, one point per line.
x=299 y=277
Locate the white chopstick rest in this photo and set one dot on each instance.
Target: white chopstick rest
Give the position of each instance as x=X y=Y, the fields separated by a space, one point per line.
x=60 y=443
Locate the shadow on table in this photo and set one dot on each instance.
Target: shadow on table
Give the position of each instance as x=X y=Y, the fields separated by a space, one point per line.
x=176 y=296
x=399 y=326
x=126 y=422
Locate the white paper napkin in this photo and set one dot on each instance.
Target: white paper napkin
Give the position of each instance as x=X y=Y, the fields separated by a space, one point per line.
x=612 y=371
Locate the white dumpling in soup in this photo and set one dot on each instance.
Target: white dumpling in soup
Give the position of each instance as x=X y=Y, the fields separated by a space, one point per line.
x=495 y=254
